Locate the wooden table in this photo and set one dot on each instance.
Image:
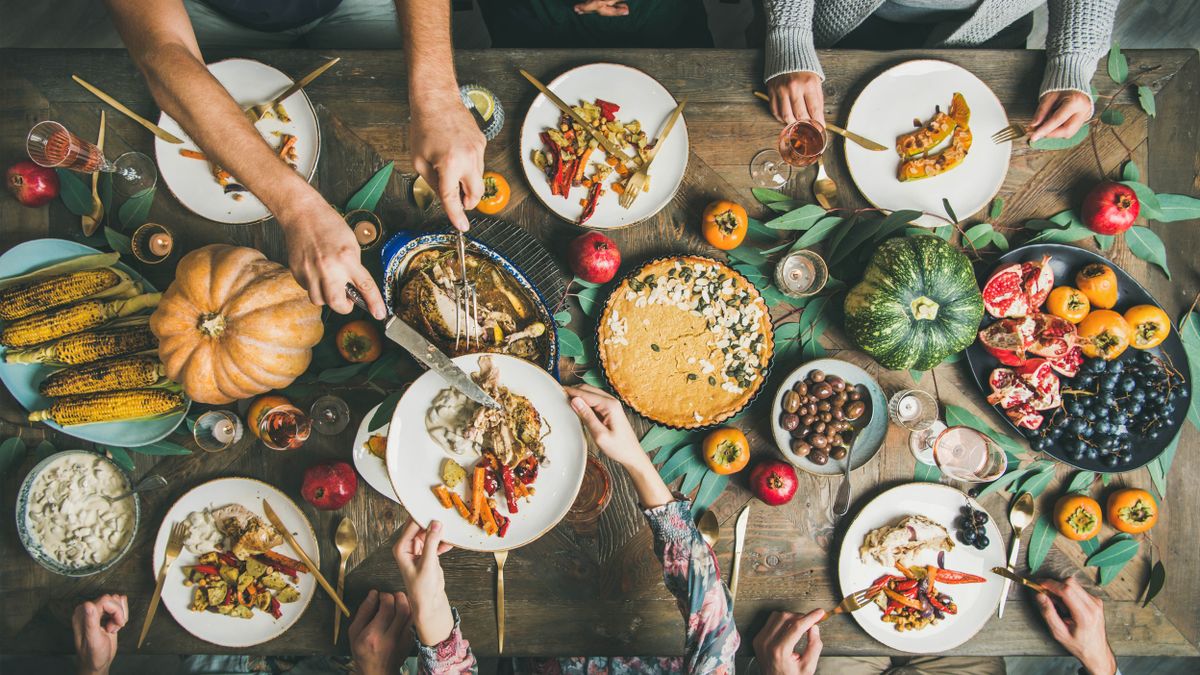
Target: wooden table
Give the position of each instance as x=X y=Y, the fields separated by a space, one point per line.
x=602 y=593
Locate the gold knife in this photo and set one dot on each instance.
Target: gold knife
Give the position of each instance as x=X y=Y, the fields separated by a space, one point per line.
x=1011 y=575
x=849 y=135
x=739 y=542
x=612 y=150
x=255 y=112
x=316 y=571
x=662 y=137
x=154 y=128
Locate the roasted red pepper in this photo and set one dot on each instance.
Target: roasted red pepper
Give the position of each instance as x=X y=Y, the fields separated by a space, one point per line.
x=952 y=577
x=228 y=596
x=607 y=110
x=501 y=523
x=882 y=581
x=228 y=558
x=590 y=207
x=902 y=599
x=892 y=607
x=274 y=609
x=906 y=585
x=206 y=570
x=510 y=492
x=277 y=566
x=937 y=604
x=527 y=470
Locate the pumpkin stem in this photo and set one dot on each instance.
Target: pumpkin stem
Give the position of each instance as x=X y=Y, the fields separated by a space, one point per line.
x=212 y=324
x=924 y=308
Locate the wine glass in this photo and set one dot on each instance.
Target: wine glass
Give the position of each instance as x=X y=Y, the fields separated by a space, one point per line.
x=768 y=170
x=284 y=427
x=917 y=411
x=968 y=455
x=594 y=495
x=802 y=142
x=51 y=145
x=329 y=414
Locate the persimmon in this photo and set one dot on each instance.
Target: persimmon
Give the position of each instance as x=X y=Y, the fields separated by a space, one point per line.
x=1132 y=510
x=495 y=194
x=1149 y=326
x=1099 y=283
x=359 y=341
x=1104 y=334
x=260 y=407
x=1068 y=303
x=724 y=224
x=726 y=450
x=1077 y=517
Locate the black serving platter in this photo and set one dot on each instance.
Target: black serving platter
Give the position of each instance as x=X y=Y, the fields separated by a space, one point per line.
x=1066 y=261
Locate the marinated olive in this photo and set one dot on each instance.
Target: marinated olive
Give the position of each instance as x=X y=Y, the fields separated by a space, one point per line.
x=800 y=387
x=825 y=417
x=855 y=410
x=838 y=414
x=855 y=395
x=837 y=383
x=818 y=458
x=799 y=447
x=839 y=453
x=836 y=440
x=819 y=427
x=824 y=406
x=791 y=401
x=839 y=398
x=818 y=441
x=789 y=421
x=799 y=432
x=811 y=408
x=817 y=376
x=808 y=420
x=822 y=390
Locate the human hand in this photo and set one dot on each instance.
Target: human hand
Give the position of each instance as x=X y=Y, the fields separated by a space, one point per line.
x=605 y=420
x=416 y=554
x=797 y=96
x=1060 y=114
x=775 y=644
x=1081 y=632
x=447 y=149
x=324 y=256
x=95 y=625
x=379 y=634
x=603 y=7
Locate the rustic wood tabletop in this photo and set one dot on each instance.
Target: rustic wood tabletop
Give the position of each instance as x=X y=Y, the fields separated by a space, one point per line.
x=600 y=592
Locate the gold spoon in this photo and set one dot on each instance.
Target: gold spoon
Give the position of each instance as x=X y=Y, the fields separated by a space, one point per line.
x=90 y=221
x=1019 y=516
x=824 y=189
x=346 y=541
x=501 y=558
x=709 y=528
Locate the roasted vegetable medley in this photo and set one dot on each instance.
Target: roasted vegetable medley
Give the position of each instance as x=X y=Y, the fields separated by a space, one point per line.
x=226 y=585
x=912 y=601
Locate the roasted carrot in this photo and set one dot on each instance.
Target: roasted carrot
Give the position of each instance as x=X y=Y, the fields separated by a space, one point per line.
x=460 y=505
x=193 y=154
x=622 y=170
x=443 y=496
x=478 y=494
x=286 y=561
x=288 y=142
x=582 y=164
x=618 y=188
x=489 y=521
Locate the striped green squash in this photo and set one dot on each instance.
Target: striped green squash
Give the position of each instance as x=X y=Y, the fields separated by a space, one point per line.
x=917 y=304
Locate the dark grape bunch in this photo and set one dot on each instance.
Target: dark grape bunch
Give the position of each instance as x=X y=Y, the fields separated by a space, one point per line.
x=1111 y=405
x=970 y=528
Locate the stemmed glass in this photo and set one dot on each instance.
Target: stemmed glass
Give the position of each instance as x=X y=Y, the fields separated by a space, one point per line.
x=51 y=145
x=968 y=455
x=917 y=411
x=801 y=143
x=329 y=415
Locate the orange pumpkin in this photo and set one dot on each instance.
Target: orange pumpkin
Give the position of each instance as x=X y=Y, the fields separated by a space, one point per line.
x=1099 y=283
x=234 y=324
x=1104 y=334
x=1132 y=510
x=724 y=224
x=1149 y=324
x=1068 y=303
x=1077 y=517
x=726 y=450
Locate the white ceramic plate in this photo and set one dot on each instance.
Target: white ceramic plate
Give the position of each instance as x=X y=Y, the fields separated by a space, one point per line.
x=886 y=108
x=249 y=83
x=414 y=460
x=218 y=628
x=641 y=98
x=869 y=440
x=976 y=602
x=371 y=468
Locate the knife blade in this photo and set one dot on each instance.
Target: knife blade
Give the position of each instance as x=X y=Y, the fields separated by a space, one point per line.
x=1012 y=561
x=1013 y=576
x=612 y=150
x=154 y=128
x=739 y=542
x=316 y=571
x=257 y=111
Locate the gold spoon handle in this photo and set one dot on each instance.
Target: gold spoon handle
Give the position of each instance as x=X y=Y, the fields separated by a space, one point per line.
x=341 y=587
x=501 y=558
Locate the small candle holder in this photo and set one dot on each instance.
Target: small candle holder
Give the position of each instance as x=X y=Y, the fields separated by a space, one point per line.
x=217 y=430
x=367 y=228
x=801 y=274
x=152 y=243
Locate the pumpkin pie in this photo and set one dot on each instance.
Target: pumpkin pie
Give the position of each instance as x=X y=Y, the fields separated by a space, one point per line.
x=685 y=341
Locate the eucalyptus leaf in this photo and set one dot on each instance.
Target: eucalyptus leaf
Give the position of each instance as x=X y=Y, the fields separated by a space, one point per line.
x=1043 y=224
x=1073 y=232
x=1145 y=244
x=587 y=299
x=1105 y=241
x=1116 y=551
x=1161 y=466
x=748 y=255
x=691 y=480
x=1037 y=482
x=979 y=235
x=1089 y=546
x=959 y=416
x=945 y=231
x=1000 y=241
x=997 y=208
x=800 y=219
x=660 y=436
x=895 y=221
x=74 y=194
x=785 y=206
x=1130 y=171
x=818 y=232
x=120 y=457
x=1003 y=482
x=916 y=375
x=1118 y=65
x=368 y=196
x=926 y=473
x=594 y=378
x=104 y=186
x=383 y=415
x=680 y=463
x=787 y=331
x=813 y=349
x=767 y=196
x=1112 y=117
x=854 y=237
x=1061 y=143
x=949 y=209
x=664 y=453
x=136 y=210
x=12 y=451
x=1189 y=334
x=342 y=374
x=1040 y=542
x=1106 y=478
x=1174 y=207
x=563 y=318
x=711 y=487
x=384 y=365
x=118 y=242
x=1146 y=100
x=585 y=283
x=569 y=344
x=1158 y=578
x=755 y=230
x=754 y=275
x=1081 y=482
x=1149 y=207
x=163 y=447
x=774 y=297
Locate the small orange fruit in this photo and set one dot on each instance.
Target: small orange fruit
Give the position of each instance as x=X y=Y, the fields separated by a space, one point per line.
x=726 y=450
x=1077 y=516
x=359 y=341
x=1068 y=303
x=260 y=407
x=1132 y=510
x=1149 y=324
x=1104 y=334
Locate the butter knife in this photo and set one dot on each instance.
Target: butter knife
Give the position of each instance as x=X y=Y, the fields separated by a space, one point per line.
x=312 y=567
x=609 y=147
x=154 y=128
x=428 y=354
x=255 y=112
x=739 y=542
x=1013 y=576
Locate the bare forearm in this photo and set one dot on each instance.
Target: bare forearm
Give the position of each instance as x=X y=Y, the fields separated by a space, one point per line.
x=428 y=50
x=652 y=492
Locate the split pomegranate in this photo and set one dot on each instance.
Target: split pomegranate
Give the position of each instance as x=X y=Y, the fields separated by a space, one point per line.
x=1039 y=376
x=1025 y=416
x=1068 y=364
x=1006 y=340
x=1110 y=208
x=1018 y=289
x=1053 y=336
x=1008 y=389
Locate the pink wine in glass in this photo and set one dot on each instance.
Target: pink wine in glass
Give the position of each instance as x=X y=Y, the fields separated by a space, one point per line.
x=51 y=145
x=965 y=454
x=802 y=142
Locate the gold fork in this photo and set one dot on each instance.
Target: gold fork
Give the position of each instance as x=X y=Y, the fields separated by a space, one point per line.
x=1009 y=133
x=174 y=546
x=641 y=179
x=824 y=188
x=501 y=558
x=852 y=603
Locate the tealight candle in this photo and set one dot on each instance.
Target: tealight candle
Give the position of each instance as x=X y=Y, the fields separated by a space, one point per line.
x=366 y=226
x=801 y=273
x=161 y=244
x=366 y=232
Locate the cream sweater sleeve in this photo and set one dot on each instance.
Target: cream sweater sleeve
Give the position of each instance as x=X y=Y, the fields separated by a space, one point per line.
x=1079 y=33
x=790 y=38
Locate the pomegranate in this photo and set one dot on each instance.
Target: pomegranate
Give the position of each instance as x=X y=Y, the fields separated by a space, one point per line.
x=1018 y=289
x=1052 y=336
x=1038 y=281
x=594 y=257
x=329 y=485
x=1025 y=416
x=1068 y=364
x=31 y=184
x=1005 y=340
x=1110 y=208
x=774 y=482
x=1008 y=390
x=1039 y=376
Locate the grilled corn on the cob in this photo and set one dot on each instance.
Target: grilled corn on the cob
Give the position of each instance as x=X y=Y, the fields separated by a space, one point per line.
x=111 y=406
x=43 y=294
x=80 y=348
x=122 y=372
x=75 y=318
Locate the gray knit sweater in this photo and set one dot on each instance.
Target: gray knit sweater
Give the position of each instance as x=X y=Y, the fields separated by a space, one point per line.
x=1078 y=35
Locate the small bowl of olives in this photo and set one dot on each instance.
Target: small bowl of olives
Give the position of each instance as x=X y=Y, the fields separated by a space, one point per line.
x=818 y=416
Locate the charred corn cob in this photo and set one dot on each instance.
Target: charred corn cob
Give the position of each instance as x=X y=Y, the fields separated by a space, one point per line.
x=75 y=318
x=123 y=372
x=111 y=406
x=38 y=296
x=80 y=348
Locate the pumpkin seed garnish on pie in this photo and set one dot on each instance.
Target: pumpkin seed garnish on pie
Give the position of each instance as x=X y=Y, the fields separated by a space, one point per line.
x=685 y=341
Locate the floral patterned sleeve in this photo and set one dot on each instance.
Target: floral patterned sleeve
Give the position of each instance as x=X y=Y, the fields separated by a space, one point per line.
x=448 y=657
x=690 y=573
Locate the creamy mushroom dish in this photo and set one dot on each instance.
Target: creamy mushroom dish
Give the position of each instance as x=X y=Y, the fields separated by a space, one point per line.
x=68 y=516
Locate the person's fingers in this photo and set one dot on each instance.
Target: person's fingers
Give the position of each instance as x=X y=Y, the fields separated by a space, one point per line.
x=364 y=614
x=403 y=613
x=404 y=548
x=451 y=198
x=1069 y=127
x=433 y=543
x=1059 y=115
x=114 y=612
x=1058 y=628
x=314 y=294
x=369 y=290
x=619 y=9
x=1045 y=105
x=588 y=416
x=812 y=651
x=795 y=629
x=787 y=104
x=79 y=620
x=383 y=618
x=472 y=187
x=594 y=397
x=775 y=622
x=1076 y=597
x=814 y=100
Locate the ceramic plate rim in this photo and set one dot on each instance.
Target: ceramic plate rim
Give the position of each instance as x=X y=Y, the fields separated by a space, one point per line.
x=363 y=457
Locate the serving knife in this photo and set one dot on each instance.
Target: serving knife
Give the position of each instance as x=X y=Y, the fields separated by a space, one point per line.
x=428 y=354
x=316 y=571
x=609 y=147
x=255 y=112
x=154 y=128
x=739 y=542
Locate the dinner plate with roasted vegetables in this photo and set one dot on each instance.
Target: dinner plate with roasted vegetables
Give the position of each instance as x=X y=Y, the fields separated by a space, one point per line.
x=569 y=170
x=930 y=591
x=76 y=347
x=236 y=583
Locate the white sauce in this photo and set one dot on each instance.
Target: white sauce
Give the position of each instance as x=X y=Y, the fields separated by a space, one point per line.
x=202 y=533
x=448 y=417
x=68 y=517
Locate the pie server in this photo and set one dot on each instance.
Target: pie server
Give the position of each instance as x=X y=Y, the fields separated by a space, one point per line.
x=427 y=353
